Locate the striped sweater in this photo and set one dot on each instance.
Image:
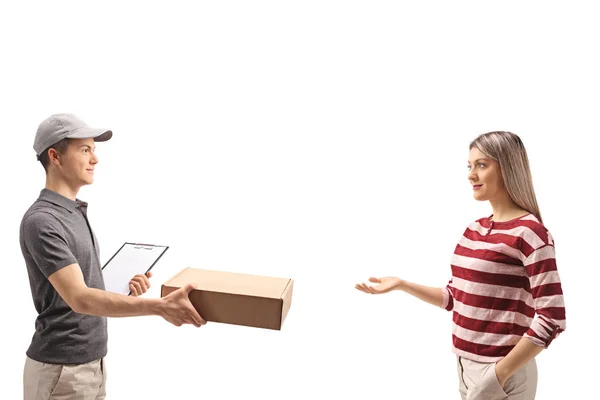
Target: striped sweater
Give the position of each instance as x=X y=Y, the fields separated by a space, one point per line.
x=504 y=286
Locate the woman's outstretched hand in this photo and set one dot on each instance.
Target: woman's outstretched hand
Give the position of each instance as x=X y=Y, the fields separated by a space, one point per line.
x=384 y=285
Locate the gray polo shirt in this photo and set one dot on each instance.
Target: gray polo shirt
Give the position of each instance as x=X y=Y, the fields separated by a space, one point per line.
x=54 y=233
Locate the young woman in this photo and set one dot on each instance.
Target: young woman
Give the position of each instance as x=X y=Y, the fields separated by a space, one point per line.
x=505 y=293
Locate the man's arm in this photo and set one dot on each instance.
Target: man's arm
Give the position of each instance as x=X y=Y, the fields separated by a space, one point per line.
x=69 y=284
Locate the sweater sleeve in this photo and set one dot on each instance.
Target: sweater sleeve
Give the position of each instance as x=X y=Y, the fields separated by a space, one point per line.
x=546 y=290
x=448 y=297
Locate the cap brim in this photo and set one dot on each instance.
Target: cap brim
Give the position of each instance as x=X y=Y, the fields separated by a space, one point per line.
x=99 y=135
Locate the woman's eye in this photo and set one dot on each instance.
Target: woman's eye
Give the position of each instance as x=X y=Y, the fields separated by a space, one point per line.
x=482 y=165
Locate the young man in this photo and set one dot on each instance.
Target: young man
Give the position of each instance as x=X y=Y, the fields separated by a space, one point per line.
x=66 y=357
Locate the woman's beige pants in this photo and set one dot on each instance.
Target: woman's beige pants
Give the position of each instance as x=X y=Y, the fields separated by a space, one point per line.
x=478 y=381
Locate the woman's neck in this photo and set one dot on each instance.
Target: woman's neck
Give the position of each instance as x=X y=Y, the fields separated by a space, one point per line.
x=506 y=210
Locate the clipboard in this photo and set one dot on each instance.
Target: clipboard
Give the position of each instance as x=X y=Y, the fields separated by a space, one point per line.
x=131 y=259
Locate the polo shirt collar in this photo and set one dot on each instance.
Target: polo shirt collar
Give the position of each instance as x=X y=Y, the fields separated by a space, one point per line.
x=60 y=200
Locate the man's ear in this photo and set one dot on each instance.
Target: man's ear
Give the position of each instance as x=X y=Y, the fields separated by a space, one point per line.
x=53 y=156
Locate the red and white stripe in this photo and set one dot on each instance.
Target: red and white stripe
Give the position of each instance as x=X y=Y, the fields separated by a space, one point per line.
x=504 y=286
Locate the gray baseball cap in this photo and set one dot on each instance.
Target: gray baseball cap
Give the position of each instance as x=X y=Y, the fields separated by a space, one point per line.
x=61 y=126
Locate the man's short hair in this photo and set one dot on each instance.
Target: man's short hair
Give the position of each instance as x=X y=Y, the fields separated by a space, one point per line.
x=60 y=147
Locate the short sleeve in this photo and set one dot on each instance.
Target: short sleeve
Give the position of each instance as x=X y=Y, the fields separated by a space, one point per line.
x=45 y=242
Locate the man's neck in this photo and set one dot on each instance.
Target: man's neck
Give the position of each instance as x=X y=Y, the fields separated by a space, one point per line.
x=61 y=187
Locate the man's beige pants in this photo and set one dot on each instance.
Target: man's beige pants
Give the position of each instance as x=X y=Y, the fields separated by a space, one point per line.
x=478 y=381
x=64 y=382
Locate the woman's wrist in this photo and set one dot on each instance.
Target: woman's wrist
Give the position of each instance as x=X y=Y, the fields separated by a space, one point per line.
x=400 y=284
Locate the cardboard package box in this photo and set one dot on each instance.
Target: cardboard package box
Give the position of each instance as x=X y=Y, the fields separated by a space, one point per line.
x=235 y=298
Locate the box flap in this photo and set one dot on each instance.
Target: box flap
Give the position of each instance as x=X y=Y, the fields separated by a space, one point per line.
x=287 y=299
x=231 y=282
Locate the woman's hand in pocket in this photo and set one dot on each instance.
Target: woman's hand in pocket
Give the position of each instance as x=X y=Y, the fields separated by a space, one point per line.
x=501 y=374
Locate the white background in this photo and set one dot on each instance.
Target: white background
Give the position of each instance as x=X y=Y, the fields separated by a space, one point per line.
x=318 y=140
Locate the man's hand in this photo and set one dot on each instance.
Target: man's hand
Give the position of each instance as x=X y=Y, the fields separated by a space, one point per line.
x=140 y=284
x=178 y=309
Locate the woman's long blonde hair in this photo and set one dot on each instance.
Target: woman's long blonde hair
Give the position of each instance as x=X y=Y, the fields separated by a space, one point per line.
x=508 y=150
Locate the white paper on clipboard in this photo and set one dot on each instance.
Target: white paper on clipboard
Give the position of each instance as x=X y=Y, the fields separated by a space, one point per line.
x=131 y=259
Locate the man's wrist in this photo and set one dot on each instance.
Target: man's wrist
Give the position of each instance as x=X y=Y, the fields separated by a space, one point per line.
x=153 y=306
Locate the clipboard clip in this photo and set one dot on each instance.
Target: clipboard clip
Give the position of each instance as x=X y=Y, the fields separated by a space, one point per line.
x=143 y=246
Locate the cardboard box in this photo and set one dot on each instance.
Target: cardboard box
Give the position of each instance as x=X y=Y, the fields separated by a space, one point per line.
x=235 y=298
